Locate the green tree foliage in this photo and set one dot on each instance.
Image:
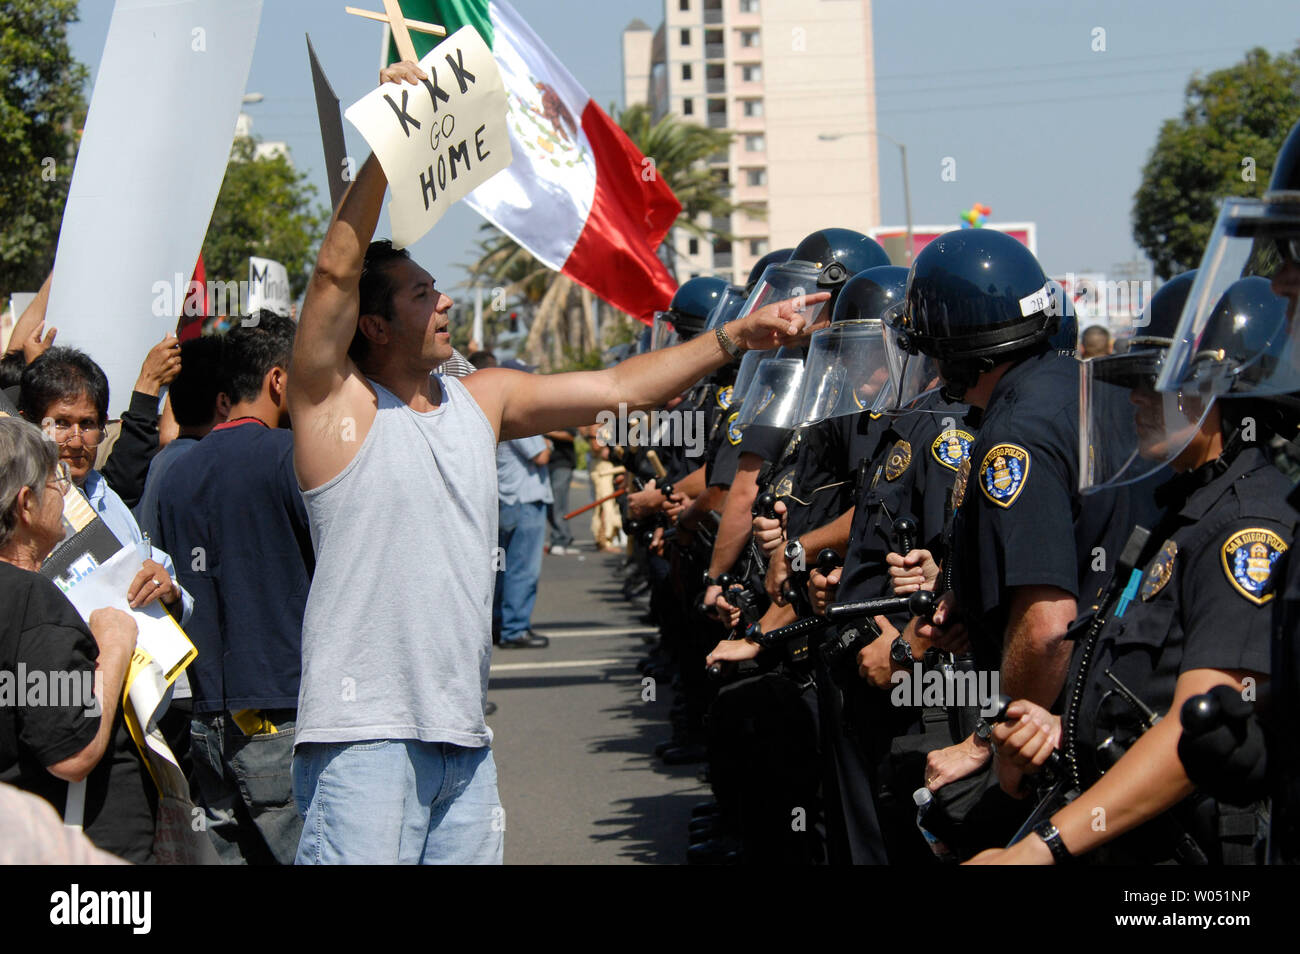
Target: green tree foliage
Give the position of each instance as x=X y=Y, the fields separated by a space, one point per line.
x=264 y=208
x=1231 y=116
x=42 y=106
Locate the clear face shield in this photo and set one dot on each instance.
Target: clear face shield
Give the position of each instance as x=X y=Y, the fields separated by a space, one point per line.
x=785 y=281
x=749 y=363
x=1252 y=237
x=845 y=372
x=773 y=398
x=1128 y=429
x=727 y=309
x=662 y=333
x=914 y=376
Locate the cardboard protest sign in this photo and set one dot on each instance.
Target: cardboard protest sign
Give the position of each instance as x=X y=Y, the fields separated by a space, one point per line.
x=268 y=286
x=439 y=140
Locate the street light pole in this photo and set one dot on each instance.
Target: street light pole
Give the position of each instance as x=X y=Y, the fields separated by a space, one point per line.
x=902 y=157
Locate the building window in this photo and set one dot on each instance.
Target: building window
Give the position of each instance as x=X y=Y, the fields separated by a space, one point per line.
x=758 y=247
x=684 y=5
x=748 y=6
x=688 y=107
x=686 y=38
x=756 y=177
x=686 y=71
x=749 y=38
x=693 y=246
x=755 y=144
x=751 y=74
x=752 y=107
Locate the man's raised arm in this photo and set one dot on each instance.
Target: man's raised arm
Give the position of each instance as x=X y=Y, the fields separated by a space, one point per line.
x=521 y=404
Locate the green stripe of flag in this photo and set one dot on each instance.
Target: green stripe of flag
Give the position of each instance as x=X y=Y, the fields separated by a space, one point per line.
x=453 y=14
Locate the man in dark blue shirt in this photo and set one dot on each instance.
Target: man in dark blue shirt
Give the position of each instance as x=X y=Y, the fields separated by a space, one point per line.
x=232 y=509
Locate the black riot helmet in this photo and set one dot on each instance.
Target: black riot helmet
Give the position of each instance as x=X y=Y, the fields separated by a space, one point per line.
x=975 y=298
x=692 y=303
x=870 y=293
x=1244 y=342
x=780 y=256
x=838 y=254
x=1154 y=330
x=1286 y=167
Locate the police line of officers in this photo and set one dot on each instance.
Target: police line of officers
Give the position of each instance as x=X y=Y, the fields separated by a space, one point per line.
x=938 y=589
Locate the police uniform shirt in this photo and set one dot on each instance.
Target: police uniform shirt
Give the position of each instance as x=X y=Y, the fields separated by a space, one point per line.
x=819 y=484
x=1021 y=521
x=1282 y=714
x=1203 y=602
x=916 y=460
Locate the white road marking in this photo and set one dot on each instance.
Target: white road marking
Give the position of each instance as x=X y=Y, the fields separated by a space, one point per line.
x=597 y=631
x=575 y=664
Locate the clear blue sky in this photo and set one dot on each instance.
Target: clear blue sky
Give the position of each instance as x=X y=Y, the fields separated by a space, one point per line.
x=1041 y=127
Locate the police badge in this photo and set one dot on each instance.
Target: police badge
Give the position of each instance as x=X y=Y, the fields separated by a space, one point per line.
x=959 y=484
x=1159 y=572
x=899 y=457
x=733 y=432
x=1003 y=473
x=952 y=447
x=724 y=397
x=784 y=486
x=1248 y=559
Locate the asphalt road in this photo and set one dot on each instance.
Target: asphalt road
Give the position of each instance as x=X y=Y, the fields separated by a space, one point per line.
x=573 y=736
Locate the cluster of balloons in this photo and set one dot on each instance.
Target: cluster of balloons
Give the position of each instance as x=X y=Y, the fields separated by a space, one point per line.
x=975 y=216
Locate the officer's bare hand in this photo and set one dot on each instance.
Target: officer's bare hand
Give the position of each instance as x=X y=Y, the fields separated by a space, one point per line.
x=657 y=542
x=915 y=570
x=955 y=762
x=822 y=588
x=769 y=532
x=676 y=505
x=778 y=571
x=874 y=662
x=645 y=501
x=775 y=324
x=1028 y=737
x=733 y=650
x=943 y=630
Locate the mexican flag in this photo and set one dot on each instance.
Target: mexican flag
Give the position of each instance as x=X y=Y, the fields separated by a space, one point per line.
x=579 y=195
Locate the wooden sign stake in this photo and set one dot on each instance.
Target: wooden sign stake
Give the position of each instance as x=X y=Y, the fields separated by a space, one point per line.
x=401 y=27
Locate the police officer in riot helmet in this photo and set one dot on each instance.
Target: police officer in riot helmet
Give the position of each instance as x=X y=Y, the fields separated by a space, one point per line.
x=777 y=257
x=1023 y=555
x=1200 y=617
x=1231 y=745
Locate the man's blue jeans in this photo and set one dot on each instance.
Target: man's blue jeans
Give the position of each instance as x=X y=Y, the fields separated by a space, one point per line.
x=561 y=478
x=397 y=801
x=520 y=535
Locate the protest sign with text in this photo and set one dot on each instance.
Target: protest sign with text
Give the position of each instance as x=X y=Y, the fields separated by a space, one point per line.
x=439 y=140
x=268 y=286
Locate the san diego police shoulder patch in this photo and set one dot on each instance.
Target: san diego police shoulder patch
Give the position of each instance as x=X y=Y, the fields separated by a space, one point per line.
x=1248 y=560
x=733 y=432
x=724 y=397
x=952 y=447
x=1003 y=473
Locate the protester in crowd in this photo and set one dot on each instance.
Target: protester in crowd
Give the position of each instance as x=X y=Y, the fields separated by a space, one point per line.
x=523 y=495
x=563 y=460
x=31 y=833
x=232 y=505
x=50 y=743
x=197 y=405
x=372 y=764
x=67 y=394
x=1096 y=342
x=606 y=520
x=482 y=359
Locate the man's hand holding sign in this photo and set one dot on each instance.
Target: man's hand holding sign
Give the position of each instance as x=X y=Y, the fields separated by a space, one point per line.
x=442 y=139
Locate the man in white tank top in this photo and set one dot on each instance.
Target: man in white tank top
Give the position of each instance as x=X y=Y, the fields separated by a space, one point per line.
x=397 y=467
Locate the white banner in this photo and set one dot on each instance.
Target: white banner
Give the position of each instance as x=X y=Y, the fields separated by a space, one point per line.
x=268 y=286
x=438 y=140
x=155 y=149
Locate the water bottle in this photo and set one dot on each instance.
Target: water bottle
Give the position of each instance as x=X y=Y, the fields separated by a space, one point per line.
x=924 y=800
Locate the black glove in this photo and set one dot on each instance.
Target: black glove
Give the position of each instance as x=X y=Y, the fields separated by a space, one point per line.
x=1222 y=746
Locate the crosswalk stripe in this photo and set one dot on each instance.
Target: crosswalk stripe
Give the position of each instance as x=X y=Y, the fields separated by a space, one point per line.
x=597 y=631
x=574 y=664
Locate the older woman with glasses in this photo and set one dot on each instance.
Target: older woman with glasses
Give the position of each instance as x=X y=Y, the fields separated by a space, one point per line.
x=66 y=394
x=60 y=680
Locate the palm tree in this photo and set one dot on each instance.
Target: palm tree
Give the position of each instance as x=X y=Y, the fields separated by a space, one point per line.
x=563 y=325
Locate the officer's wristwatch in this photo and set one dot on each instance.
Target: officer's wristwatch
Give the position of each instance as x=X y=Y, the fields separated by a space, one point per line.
x=900 y=651
x=794 y=551
x=1052 y=838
